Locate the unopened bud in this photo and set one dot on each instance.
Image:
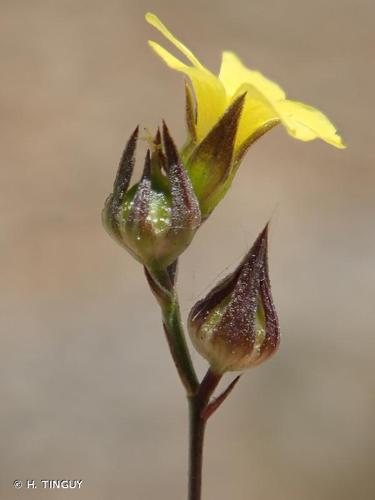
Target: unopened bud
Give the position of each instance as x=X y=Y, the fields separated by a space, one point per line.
x=156 y=219
x=235 y=326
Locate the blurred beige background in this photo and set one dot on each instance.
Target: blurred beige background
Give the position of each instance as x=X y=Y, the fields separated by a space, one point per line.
x=87 y=387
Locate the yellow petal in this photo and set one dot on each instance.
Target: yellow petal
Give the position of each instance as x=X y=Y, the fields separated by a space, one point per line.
x=307 y=123
x=209 y=92
x=257 y=111
x=156 y=23
x=233 y=74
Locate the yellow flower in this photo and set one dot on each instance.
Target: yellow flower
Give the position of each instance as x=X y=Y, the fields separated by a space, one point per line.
x=265 y=101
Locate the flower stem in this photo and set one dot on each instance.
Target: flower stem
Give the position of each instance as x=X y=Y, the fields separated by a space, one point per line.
x=178 y=347
x=197 y=404
x=197 y=430
x=162 y=285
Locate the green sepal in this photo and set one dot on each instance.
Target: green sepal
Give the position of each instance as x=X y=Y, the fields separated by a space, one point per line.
x=210 y=163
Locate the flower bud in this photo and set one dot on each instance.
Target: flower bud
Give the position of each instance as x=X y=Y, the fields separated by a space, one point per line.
x=235 y=326
x=156 y=219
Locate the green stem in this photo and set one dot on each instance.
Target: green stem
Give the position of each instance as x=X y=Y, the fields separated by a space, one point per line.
x=196 y=442
x=168 y=300
x=197 y=404
x=198 y=393
x=177 y=344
